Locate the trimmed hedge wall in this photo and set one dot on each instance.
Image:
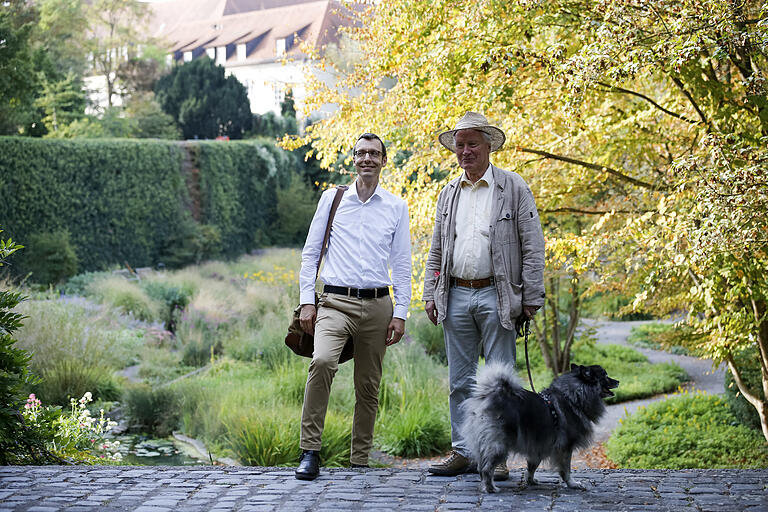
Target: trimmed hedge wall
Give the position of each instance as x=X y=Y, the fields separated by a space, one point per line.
x=238 y=187
x=122 y=201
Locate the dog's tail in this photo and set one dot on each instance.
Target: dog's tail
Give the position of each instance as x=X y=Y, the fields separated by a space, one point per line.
x=496 y=377
x=482 y=427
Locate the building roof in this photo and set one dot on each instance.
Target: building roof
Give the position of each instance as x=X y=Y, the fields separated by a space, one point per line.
x=196 y=25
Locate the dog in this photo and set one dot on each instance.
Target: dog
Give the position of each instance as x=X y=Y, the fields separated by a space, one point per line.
x=501 y=417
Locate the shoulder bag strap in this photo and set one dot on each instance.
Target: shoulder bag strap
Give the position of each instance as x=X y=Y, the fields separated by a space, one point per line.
x=334 y=206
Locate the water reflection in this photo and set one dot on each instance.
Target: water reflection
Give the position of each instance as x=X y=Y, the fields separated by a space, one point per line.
x=146 y=451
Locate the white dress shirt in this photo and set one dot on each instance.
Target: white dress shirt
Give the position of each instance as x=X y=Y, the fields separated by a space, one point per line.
x=367 y=238
x=472 y=244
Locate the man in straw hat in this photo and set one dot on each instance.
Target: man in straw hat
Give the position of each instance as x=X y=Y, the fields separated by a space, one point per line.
x=484 y=269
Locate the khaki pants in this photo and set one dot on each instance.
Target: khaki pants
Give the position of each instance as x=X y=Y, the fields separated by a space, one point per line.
x=339 y=317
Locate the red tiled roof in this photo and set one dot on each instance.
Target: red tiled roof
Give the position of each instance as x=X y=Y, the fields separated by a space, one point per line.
x=187 y=25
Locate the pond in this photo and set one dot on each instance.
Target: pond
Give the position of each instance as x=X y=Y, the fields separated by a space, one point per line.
x=146 y=451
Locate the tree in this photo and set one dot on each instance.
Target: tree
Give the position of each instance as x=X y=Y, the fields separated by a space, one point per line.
x=204 y=102
x=643 y=121
x=17 y=77
x=62 y=102
x=59 y=38
x=150 y=120
x=114 y=34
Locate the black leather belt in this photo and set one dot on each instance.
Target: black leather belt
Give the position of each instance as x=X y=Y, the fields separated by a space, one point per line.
x=472 y=283
x=360 y=293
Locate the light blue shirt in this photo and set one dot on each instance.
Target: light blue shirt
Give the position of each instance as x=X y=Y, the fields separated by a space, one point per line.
x=367 y=239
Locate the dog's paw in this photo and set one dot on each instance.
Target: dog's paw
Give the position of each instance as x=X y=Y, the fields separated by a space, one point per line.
x=490 y=489
x=575 y=484
x=532 y=481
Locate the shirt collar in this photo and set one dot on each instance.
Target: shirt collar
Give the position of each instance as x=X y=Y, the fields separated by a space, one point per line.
x=353 y=190
x=487 y=178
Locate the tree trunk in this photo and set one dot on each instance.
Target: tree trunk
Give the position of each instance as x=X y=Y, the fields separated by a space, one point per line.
x=759 y=403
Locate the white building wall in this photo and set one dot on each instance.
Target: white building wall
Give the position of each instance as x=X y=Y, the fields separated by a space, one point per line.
x=266 y=84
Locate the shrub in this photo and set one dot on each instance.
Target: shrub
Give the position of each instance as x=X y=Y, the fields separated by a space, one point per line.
x=271 y=438
x=686 y=431
x=154 y=410
x=191 y=244
x=128 y=297
x=638 y=377
x=79 y=284
x=428 y=335
x=744 y=412
x=655 y=337
x=295 y=208
x=264 y=342
x=160 y=365
x=77 y=436
x=415 y=432
x=71 y=378
x=119 y=199
x=200 y=339
x=612 y=304
x=50 y=257
x=18 y=444
x=411 y=422
x=62 y=330
x=174 y=298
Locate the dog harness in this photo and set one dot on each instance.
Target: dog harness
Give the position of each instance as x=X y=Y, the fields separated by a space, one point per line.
x=547 y=397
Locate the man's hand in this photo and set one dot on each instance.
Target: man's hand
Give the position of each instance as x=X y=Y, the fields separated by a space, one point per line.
x=395 y=331
x=530 y=311
x=307 y=318
x=429 y=307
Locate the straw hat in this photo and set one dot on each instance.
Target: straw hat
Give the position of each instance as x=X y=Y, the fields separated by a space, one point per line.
x=473 y=121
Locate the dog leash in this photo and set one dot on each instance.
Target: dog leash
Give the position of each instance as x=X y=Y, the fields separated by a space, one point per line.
x=523 y=326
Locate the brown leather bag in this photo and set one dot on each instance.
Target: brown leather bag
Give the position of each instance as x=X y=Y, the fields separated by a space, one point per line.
x=303 y=343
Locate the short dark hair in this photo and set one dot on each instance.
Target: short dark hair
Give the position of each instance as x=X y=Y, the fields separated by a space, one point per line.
x=372 y=136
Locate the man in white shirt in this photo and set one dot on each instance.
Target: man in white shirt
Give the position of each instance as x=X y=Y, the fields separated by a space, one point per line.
x=369 y=236
x=484 y=269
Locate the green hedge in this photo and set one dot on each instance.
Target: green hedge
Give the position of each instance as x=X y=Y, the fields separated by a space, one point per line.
x=238 y=190
x=125 y=201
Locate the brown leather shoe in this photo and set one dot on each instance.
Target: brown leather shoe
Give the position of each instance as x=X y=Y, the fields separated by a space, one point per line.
x=500 y=472
x=455 y=464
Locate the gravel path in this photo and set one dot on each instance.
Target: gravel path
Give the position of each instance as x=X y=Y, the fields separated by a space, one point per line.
x=703 y=376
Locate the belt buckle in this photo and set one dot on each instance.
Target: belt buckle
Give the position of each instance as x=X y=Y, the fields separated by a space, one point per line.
x=357 y=293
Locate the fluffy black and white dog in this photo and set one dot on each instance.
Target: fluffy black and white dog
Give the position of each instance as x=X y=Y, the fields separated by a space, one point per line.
x=502 y=417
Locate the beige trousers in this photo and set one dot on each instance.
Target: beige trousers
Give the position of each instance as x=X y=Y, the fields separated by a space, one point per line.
x=339 y=317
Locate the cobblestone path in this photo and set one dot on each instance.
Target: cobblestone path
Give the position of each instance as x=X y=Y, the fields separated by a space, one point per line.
x=252 y=489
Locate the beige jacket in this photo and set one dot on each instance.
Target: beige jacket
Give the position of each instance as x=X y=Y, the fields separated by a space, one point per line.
x=517 y=247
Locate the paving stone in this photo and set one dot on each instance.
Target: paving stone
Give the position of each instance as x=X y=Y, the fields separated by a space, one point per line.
x=266 y=489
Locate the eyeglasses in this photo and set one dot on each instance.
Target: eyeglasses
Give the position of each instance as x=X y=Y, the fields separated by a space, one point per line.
x=360 y=153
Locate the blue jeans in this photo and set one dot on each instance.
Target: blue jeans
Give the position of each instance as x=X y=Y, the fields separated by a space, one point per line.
x=472 y=328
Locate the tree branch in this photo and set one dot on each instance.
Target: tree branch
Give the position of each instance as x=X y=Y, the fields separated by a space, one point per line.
x=595 y=167
x=613 y=88
x=749 y=396
x=572 y=209
x=681 y=86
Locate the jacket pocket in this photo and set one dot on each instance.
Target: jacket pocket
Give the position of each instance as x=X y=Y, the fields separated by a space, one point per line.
x=505 y=232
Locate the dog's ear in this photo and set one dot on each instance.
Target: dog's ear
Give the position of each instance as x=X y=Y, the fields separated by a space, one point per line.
x=574 y=367
x=585 y=373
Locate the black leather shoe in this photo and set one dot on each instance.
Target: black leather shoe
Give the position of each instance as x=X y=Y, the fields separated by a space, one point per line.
x=309 y=465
